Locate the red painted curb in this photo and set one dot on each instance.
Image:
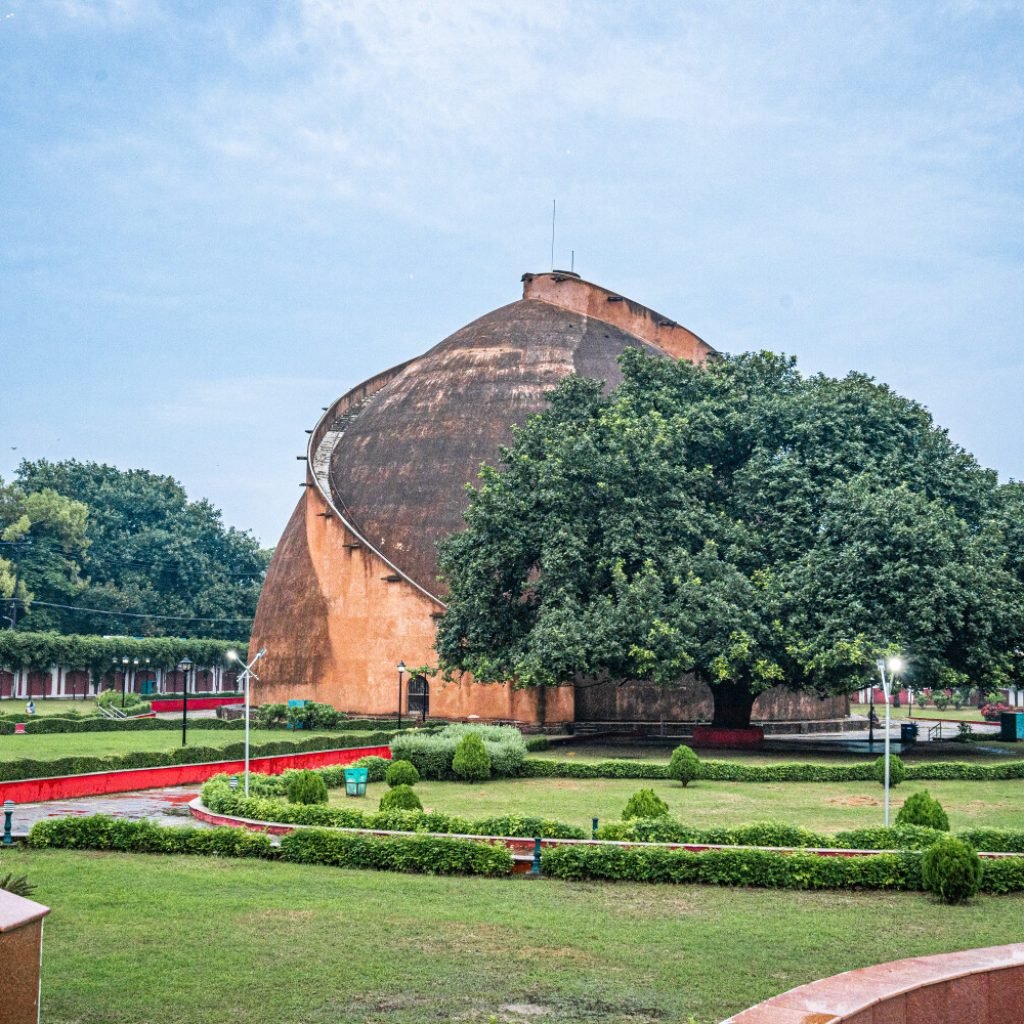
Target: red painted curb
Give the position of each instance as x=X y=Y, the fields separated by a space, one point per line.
x=194 y=703
x=64 y=787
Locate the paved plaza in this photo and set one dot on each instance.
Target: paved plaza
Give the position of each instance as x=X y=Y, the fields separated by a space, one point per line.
x=167 y=806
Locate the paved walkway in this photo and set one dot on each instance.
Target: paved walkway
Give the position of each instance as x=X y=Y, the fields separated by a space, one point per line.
x=164 y=806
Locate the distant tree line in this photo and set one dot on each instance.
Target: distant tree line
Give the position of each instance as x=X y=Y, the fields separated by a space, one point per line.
x=87 y=548
x=101 y=656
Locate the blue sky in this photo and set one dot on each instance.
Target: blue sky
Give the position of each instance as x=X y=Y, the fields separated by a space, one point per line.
x=217 y=217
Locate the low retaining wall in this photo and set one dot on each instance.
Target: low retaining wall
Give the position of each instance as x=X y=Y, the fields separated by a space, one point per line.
x=194 y=703
x=64 y=787
x=522 y=845
x=982 y=986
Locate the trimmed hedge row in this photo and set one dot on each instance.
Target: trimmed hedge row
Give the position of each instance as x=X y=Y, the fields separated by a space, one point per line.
x=730 y=771
x=422 y=854
x=102 y=832
x=429 y=855
x=773 y=833
x=221 y=799
x=918 y=837
x=544 y=768
x=667 y=830
x=25 y=768
x=56 y=723
x=760 y=868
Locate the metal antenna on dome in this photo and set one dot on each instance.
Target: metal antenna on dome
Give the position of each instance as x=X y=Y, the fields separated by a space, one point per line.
x=553 y=208
x=572 y=262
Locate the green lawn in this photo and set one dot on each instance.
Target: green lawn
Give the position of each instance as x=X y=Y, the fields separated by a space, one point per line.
x=48 y=707
x=135 y=938
x=968 y=713
x=46 y=746
x=822 y=806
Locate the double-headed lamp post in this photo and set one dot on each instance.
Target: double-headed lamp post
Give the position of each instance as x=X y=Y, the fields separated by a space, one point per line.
x=895 y=665
x=247 y=674
x=401 y=671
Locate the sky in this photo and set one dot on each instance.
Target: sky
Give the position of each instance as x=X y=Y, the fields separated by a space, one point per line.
x=215 y=218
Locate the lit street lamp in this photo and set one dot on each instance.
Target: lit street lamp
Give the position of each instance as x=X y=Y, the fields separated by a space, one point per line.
x=894 y=665
x=247 y=674
x=401 y=671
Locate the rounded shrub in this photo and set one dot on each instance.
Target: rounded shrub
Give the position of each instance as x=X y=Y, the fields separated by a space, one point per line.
x=401 y=773
x=684 y=766
x=645 y=803
x=306 y=787
x=951 y=869
x=897 y=770
x=471 y=762
x=923 y=809
x=401 y=798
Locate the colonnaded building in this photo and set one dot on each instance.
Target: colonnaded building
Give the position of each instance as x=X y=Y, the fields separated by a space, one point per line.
x=353 y=587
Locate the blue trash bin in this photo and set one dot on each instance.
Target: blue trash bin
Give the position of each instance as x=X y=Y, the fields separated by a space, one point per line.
x=355 y=781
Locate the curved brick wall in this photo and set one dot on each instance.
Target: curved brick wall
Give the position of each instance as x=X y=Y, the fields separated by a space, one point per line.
x=976 y=986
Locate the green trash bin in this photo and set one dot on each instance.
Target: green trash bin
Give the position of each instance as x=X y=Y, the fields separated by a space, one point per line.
x=1011 y=726
x=355 y=781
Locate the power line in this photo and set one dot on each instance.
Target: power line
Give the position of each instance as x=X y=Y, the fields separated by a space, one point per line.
x=127 y=615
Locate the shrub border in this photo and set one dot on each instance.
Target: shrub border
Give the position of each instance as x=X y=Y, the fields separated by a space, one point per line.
x=794 y=771
x=523 y=844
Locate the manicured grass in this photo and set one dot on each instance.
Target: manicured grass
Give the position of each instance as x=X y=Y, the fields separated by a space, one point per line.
x=968 y=713
x=47 y=707
x=46 y=746
x=822 y=806
x=207 y=941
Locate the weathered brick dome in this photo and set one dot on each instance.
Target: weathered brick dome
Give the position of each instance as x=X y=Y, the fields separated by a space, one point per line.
x=399 y=468
x=353 y=588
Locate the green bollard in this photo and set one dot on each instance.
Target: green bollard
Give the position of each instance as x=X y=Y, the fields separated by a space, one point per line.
x=593 y=828
x=535 y=869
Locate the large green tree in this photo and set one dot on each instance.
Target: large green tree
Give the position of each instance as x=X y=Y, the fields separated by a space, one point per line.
x=737 y=521
x=147 y=551
x=42 y=546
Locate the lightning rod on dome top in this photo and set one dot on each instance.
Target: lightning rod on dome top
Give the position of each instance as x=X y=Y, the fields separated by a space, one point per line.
x=572 y=261
x=553 y=209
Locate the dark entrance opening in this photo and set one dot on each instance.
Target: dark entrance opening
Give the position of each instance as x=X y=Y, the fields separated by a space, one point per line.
x=419 y=696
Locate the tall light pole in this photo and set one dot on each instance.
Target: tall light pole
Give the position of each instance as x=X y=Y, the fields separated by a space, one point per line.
x=247 y=674
x=894 y=665
x=401 y=672
x=184 y=665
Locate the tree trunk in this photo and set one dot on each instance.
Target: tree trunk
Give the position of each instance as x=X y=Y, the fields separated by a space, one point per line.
x=542 y=704
x=733 y=705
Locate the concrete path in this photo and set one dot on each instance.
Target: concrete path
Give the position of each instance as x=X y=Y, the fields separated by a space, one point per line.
x=164 y=806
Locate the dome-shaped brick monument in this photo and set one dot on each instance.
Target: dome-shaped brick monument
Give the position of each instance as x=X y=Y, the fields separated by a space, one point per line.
x=352 y=589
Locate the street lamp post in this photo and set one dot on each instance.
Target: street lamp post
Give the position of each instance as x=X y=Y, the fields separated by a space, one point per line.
x=246 y=676
x=401 y=672
x=184 y=665
x=871 y=718
x=894 y=665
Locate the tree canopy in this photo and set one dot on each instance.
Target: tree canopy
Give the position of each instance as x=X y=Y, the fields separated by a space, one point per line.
x=740 y=522
x=128 y=544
